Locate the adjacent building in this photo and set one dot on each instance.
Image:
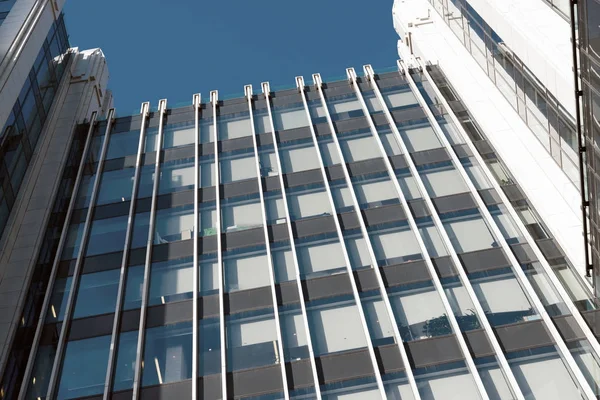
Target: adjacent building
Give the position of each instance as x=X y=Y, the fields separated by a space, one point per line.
x=46 y=89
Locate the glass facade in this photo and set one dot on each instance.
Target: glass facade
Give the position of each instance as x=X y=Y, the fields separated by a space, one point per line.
x=541 y=111
x=349 y=242
x=5 y=6
x=586 y=14
x=21 y=132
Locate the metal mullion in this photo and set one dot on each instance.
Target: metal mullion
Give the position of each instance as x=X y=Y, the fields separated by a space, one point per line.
x=267 y=92
x=513 y=213
x=196 y=100
x=300 y=85
x=464 y=279
x=272 y=277
x=53 y=382
x=137 y=380
x=525 y=284
x=432 y=272
x=214 y=99
x=382 y=290
x=114 y=342
x=56 y=262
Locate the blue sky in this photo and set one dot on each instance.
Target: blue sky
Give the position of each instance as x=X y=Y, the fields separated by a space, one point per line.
x=175 y=48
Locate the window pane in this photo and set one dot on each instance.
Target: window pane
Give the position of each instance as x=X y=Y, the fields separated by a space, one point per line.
x=275 y=208
x=168 y=354
x=542 y=375
x=447 y=384
x=73 y=241
x=175 y=135
x=97 y=293
x=141 y=225
x=174 y=224
x=300 y=158
x=400 y=98
x=388 y=251
x=419 y=138
x=171 y=280
x=293 y=333
x=125 y=363
x=209 y=276
x=360 y=148
x=233 y=126
x=308 y=203
x=499 y=308
x=443 y=181
x=344 y=107
x=176 y=176
x=267 y=161
x=251 y=340
x=291 y=117
x=123 y=144
x=107 y=235
x=209 y=347
x=206 y=175
x=329 y=152
x=84 y=367
x=420 y=313
x=323 y=257
x=246 y=271
x=241 y=213
x=469 y=234
x=375 y=192
x=133 y=287
x=325 y=322
x=283 y=263
x=237 y=167
x=115 y=186
x=58 y=301
x=146 y=185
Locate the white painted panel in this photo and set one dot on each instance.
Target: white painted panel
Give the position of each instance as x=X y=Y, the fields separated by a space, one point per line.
x=237 y=169
x=433 y=241
x=469 y=235
x=419 y=139
x=417 y=308
x=345 y=106
x=242 y=216
x=400 y=99
x=444 y=183
x=363 y=148
x=455 y=387
x=299 y=159
x=546 y=379
x=247 y=272
x=358 y=252
x=245 y=333
x=493 y=296
x=378 y=320
x=310 y=204
x=328 y=337
x=395 y=244
x=283 y=263
x=320 y=257
x=375 y=191
x=290 y=119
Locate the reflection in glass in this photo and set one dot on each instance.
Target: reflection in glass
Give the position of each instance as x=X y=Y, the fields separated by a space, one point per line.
x=251 y=340
x=125 y=361
x=84 y=367
x=168 y=354
x=97 y=293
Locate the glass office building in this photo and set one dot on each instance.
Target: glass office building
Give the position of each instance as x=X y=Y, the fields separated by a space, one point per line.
x=354 y=239
x=23 y=128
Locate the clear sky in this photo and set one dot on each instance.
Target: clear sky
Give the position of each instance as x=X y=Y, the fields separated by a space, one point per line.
x=174 y=48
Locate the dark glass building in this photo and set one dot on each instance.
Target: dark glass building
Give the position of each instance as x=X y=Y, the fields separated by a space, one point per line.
x=355 y=239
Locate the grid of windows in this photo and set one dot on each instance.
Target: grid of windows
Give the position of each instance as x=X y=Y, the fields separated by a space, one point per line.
x=352 y=248
x=22 y=130
x=540 y=110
